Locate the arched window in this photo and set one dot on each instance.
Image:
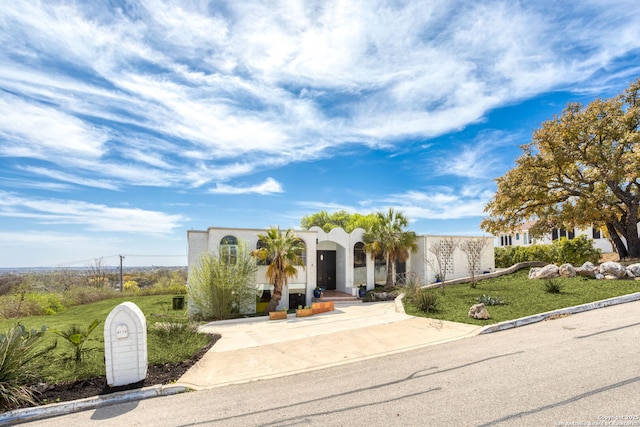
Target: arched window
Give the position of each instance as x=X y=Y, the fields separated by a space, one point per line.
x=303 y=251
x=229 y=249
x=359 y=255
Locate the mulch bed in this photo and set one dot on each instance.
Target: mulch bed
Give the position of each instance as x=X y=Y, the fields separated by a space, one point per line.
x=156 y=375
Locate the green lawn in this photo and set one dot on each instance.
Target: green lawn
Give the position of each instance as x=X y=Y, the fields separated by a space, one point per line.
x=162 y=347
x=523 y=297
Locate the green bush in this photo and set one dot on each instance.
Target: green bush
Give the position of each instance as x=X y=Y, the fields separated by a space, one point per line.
x=411 y=286
x=16 y=370
x=30 y=304
x=219 y=288
x=572 y=251
x=170 y=289
x=575 y=251
x=426 y=300
x=88 y=294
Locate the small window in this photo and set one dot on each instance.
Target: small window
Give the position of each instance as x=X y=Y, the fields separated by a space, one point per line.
x=596 y=233
x=517 y=236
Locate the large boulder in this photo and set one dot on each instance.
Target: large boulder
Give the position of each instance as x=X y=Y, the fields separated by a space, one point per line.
x=567 y=270
x=633 y=270
x=611 y=268
x=587 y=270
x=479 y=311
x=549 y=271
x=533 y=272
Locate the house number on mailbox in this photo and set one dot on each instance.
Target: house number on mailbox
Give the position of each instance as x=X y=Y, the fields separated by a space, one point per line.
x=122 y=331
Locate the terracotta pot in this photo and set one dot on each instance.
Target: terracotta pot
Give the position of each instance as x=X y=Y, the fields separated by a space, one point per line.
x=277 y=315
x=304 y=312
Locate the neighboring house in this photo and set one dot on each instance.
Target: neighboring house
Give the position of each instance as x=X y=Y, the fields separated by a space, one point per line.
x=335 y=260
x=522 y=237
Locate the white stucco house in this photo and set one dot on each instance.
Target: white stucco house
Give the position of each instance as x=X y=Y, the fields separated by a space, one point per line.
x=522 y=237
x=334 y=260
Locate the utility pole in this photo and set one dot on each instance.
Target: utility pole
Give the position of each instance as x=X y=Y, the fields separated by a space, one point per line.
x=121 y=282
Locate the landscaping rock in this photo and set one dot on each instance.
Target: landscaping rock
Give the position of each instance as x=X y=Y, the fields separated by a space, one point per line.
x=612 y=268
x=587 y=270
x=599 y=276
x=382 y=296
x=533 y=272
x=549 y=271
x=634 y=269
x=567 y=270
x=479 y=311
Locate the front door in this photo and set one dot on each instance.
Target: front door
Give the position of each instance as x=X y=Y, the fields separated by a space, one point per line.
x=327 y=269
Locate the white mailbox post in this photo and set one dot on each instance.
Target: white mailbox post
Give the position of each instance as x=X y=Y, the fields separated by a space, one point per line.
x=125 y=345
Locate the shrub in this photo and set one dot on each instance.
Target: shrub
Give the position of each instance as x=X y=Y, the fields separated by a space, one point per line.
x=131 y=287
x=170 y=289
x=426 y=300
x=573 y=251
x=552 y=287
x=16 y=357
x=88 y=294
x=411 y=286
x=489 y=300
x=219 y=288
x=30 y=304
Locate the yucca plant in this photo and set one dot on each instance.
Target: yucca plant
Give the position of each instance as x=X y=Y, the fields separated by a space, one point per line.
x=77 y=337
x=426 y=300
x=552 y=287
x=16 y=354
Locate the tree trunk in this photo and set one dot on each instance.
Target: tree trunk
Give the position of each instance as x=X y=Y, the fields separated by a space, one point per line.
x=276 y=296
x=617 y=241
x=633 y=240
x=389 y=283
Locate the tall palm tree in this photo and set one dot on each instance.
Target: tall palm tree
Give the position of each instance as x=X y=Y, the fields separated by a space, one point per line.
x=388 y=237
x=283 y=252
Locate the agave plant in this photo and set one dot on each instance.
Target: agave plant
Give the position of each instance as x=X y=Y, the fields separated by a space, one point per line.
x=16 y=354
x=77 y=337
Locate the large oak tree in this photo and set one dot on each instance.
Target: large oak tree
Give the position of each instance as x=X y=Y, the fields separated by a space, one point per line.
x=581 y=168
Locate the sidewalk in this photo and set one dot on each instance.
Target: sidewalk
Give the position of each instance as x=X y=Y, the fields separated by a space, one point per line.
x=252 y=349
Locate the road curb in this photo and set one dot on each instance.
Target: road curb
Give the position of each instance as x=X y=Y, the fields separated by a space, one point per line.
x=54 y=409
x=523 y=321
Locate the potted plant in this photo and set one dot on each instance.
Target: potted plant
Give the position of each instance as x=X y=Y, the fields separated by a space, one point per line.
x=278 y=315
x=438 y=278
x=317 y=292
x=362 y=291
x=304 y=312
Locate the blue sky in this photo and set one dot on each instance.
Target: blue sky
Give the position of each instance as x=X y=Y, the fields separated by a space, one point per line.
x=125 y=124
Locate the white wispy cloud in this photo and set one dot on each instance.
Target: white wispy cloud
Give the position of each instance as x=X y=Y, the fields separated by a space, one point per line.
x=269 y=186
x=291 y=81
x=480 y=158
x=66 y=177
x=97 y=217
x=435 y=203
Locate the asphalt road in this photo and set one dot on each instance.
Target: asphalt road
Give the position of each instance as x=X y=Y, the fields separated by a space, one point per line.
x=582 y=370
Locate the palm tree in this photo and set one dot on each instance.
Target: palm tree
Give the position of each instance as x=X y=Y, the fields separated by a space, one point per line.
x=388 y=237
x=283 y=252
